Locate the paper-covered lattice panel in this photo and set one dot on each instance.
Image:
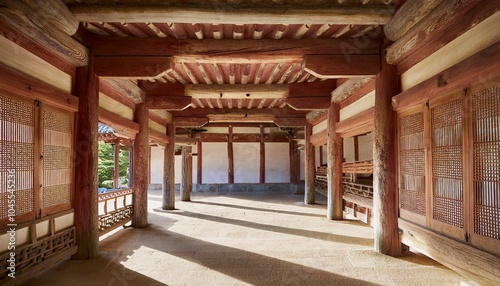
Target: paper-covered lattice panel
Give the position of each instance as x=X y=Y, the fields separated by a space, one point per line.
x=486 y=126
x=412 y=163
x=57 y=157
x=447 y=163
x=17 y=121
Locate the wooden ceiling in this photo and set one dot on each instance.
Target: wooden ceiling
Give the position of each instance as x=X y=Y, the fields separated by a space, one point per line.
x=302 y=46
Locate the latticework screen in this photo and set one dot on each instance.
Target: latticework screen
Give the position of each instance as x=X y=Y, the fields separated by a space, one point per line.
x=57 y=157
x=17 y=124
x=486 y=132
x=447 y=163
x=412 y=163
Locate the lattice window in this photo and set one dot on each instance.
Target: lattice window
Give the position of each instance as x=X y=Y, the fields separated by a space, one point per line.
x=17 y=123
x=486 y=132
x=57 y=157
x=447 y=163
x=412 y=163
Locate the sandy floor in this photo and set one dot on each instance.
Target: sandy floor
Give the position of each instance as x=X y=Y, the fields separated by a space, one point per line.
x=245 y=239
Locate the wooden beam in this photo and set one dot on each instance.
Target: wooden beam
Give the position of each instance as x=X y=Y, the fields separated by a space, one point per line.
x=227 y=49
x=111 y=91
x=443 y=16
x=242 y=116
x=308 y=103
x=132 y=67
x=348 y=88
x=118 y=123
x=310 y=168
x=158 y=136
x=320 y=138
x=475 y=264
x=334 y=170
x=230 y=156
x=312 y=89
x=86 y=176
x=485 y=64
x=141 y=162
x=199 y=172
x=290 y=122
x=56 y=13
x=168 y=102
x=187 y=173
x=335 y=15
x=359 y=130
x=262 y=162
x=127 y=88
x=16 y=83
x=40 y=29
x=246 y=137
x=342 y=66
x=362 y=118
x=359 y=93
x=385 y=203
x=262 y=91
x=161 y=116
x=168 y=191
x=317 y=116
x=190 y=121
x=407 y=16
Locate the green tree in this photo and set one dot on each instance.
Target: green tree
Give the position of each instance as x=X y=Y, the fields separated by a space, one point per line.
x=106 y=164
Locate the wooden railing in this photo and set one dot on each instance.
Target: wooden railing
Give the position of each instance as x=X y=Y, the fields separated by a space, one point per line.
x=358 y=167
x=115 y=209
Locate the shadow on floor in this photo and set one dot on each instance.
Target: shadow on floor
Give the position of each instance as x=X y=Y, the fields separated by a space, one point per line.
x=279 y=229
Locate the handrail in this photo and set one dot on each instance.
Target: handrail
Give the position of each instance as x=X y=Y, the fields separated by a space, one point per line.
x=109 y=220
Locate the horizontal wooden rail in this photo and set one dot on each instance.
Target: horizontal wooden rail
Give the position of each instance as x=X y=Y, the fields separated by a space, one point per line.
x=115 y=209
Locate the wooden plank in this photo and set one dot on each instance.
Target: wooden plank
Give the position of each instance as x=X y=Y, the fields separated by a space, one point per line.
x=237 y=91
x=140 y=167
x=348 y=88
x=360 y=130
x=168 y=192
x=385 y=203
x=158 y=136
x=362 y=201
x=190 y=121
x=358 y=94
x=362 y=118
x=213 y=137
x=132 y=67
x=443 y=16
x=237 y=15
x=20 y=17
x=86 y=176
x=262 y=163
x=312 y=89
x=341 y=66
x=127 y=88
x=244 y=48
x=308 y=103
x=407 y=16
x=480 y=266
x=106 y=88
x=117 y=122
x=319 y=139
x=484 y=64
x=246 y=137
x=290 y=122
x=187 y=173
x=168 y=102
x=334 y=171
x=310 y=167
x=15 y=83
x=471 y=19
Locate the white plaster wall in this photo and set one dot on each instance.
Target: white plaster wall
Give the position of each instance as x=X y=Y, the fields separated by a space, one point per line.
x=157 y=154
x=366 y=147
x=195 y=166
x=178 y=169
x=214 y=163
x=246 y=158
x=324 y=155
x=277 y=163
x=349 y=149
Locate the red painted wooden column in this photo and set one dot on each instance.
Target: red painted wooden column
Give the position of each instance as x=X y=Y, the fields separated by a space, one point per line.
x=168 y=194
x=310 y=168
x=385 y=205
x=86 y=175
x=334 y=171
x=187 y=173
x=141 y=162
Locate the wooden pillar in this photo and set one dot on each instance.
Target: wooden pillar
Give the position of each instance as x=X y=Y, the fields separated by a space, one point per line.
x=199 y=177
x=230 y=157
x=310 y=167
x=86 y=176
x=292 y=145
x=262 y=168
x=356 y=156
x=141 y=162
x=168 y=195
x=385 y=206
x=334 y=151
x=116 y=171
x=187 y=173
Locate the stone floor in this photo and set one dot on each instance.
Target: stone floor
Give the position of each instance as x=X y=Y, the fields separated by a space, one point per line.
x=245 y=239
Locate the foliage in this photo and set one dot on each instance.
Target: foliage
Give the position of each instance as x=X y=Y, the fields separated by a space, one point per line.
x=106 y=165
